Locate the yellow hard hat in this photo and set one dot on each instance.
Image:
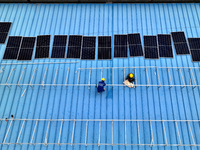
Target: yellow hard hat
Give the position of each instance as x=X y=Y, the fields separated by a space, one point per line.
x=131 y=75
x=103 y=79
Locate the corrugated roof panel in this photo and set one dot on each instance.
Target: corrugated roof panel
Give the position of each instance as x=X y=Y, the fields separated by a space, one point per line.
x=83 y=103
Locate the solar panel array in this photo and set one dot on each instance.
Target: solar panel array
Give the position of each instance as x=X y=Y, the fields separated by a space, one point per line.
x=88 y=48
x=59 y=46
x=26 y=49
x=4 y=30
x=74 y=46
x=150 y=47
x=120 y=46
x=104 y=47
x=180 y=43
x=165 y=45
x=12 y=47
x=135 y=45
x=42 y=46
x=194 y=44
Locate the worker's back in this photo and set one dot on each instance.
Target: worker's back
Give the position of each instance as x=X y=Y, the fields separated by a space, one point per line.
x=100 y=87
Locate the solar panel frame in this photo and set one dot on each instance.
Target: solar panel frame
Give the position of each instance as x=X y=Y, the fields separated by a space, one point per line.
x=23 y=52
x=48 y=37
x=134 y=36
x=82 y=47
x=8 y=28
x=123 y=35
x=123 y=51
x=13 y=47
x=194 y=45
x=3 y=41
x=195 y=53
x=150 y=47
x=57 y=43
x=178 y=52
x=74 y=47
x=92 y=49
x=74 y=44
x=102 y=47
x=3 y=37
x=122 y=46
x=44 y=56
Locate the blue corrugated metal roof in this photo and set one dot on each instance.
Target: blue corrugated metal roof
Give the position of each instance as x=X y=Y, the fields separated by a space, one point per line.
x=84 y=103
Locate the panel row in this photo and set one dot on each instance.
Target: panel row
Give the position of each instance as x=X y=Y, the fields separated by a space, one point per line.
x=84 y=47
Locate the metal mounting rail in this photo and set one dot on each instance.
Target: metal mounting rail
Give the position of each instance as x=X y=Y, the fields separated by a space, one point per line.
x=152 y=77
x=103 y=126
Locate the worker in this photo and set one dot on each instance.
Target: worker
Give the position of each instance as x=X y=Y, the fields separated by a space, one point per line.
x=101 y=85
x=130 y=80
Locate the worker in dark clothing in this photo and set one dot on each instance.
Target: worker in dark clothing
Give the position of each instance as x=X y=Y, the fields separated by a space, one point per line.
x=130 y=77
x=101 y=85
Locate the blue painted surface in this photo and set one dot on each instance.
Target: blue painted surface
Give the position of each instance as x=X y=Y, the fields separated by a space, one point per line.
x=114 y=103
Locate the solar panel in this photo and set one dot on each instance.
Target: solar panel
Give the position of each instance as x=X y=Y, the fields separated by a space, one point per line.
x=88 y=48
x=43 y=40
x=42 y=46
x=120 y=46
x=88 y=53
x=195 y=54
x=180 y=43
x=58 y=52
x=5 y=26
x=194 y=43
x=25 y=54
x=60 y=40
x=104 y=47
x=165 y=45
x=135 y=45
x=150 y=47
x=12 y=47
x=26 y=49
x=74 y=46
x=3 y=37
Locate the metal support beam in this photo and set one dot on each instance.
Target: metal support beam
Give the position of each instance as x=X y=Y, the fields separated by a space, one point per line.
x=45 y=142
x=34 y=132
x=182 y=77
x=125 y=131
x=112 y=77
x=99 y=133
x=67 y=77
x=147 y=78
x=60 y=132
x=135 y=78
x=112 y=132
x=20 y=131
x=32 y=77
x=193 y=78
x=152 y=140
x=55 y=78
x=73 y=133
x=86 y=133
x=44 y=77
x=78 y=77
x=178 y=133
x=21 y=77
x=164 y=133
x=7 y=132
x=191 y=133
x=89 y=79
x=170 y=79
x=101 y=73
x=158 y=77
x=9 y=77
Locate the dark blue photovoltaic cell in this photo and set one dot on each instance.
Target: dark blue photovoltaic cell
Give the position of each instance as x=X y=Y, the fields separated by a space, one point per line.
x=178 y=37
x=42 y=52
x=134 y=39
x=195 y=54
x=88 y=53
x=104 y=41
x=181 y=48
x=60 y=40
x=43 y=40
x=25 y=54
x=120 y=40
x=165 y=51
x=135 y=50
x=151 y=53
x=89 y=41
x=14 y=41
x=11 y=53
x=58 y=52
x=74 y=52
x=194 y=43
x=105 y=53
x=120 y=52
x=75 y=40
x=3 y=37
x=28 y=42
x=150 y=41
x=5 y=26
x=164 y=39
